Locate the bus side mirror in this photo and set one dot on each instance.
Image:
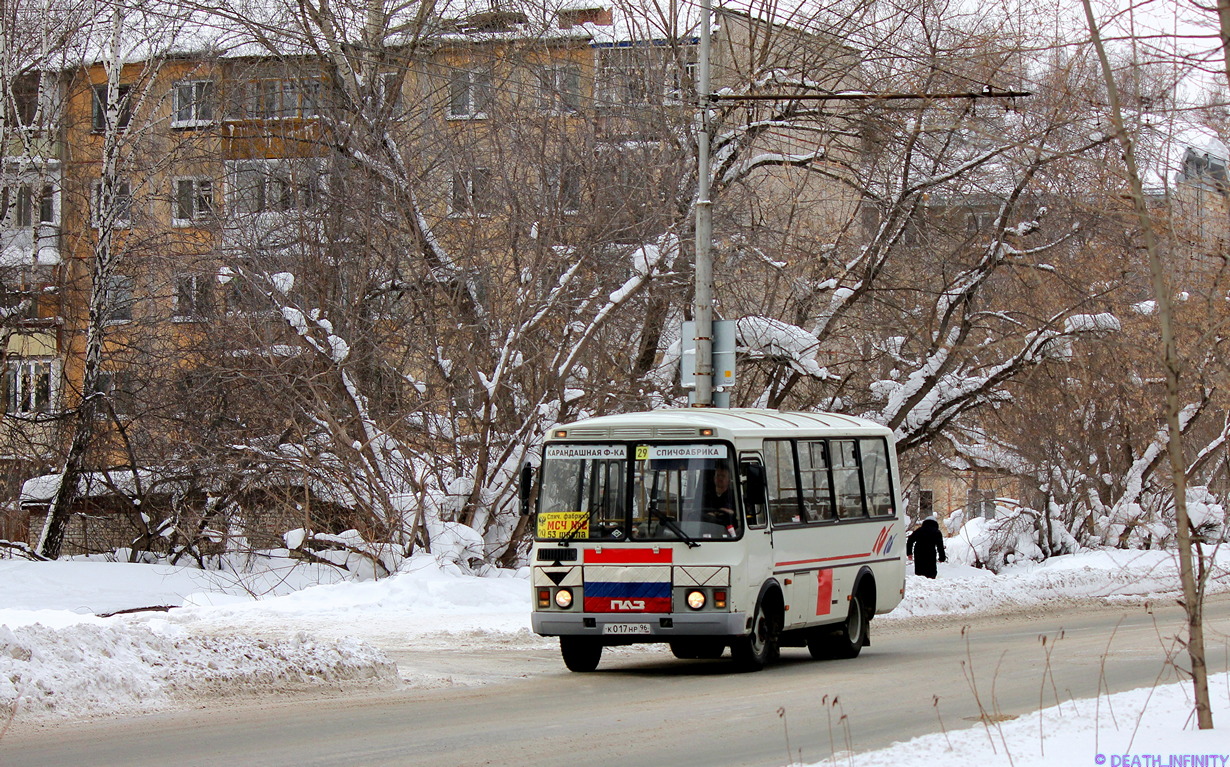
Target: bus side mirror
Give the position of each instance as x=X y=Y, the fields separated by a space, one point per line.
x=753 y=484
x=526 y=487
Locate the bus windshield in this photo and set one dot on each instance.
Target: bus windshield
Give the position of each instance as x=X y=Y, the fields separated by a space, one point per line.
x=651 y=492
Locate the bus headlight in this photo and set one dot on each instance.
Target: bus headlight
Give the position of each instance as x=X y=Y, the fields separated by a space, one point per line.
x=696 y=599
x=563 y=598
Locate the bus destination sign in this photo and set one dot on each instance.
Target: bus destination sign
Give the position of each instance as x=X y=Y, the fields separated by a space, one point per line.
x=590 y=452
x=560 y=524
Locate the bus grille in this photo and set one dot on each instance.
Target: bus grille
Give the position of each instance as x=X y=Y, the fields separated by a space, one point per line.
x=557 y=555
x=676 y=431
x=587 y=433
x=634 y=432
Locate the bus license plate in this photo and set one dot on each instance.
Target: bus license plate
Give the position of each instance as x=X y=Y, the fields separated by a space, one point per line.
x=626 y=628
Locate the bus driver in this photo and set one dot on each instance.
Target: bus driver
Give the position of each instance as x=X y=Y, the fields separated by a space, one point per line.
x=719 y=503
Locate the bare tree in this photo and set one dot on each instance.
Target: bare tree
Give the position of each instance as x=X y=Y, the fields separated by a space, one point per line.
x=1193 y=602
x=112 y=211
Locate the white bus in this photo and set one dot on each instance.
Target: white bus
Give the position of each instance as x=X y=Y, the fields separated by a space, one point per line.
x=716 y=528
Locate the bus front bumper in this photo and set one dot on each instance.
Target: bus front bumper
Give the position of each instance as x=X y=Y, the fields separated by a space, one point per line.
x=639 y=627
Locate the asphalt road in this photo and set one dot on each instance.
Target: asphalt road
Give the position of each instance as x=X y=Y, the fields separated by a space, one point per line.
x=646 y=708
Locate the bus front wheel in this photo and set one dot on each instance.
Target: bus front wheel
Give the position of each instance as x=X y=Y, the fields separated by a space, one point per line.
x=580 y=653
x=759 y=648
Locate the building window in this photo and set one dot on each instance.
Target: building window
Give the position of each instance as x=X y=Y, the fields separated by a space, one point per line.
x=192 y=103
x=115 y=213
x=560 y=89
x=119 y=390
x=275 y=98
x=31 y=385
x=123 y=105
x=471 y=192
x=118 y=298
x=194 y=201
x=273 y=186
x=19 y=301
x=681 y=84
x=469 y=93
x=20 y=206
x=636 y=77
x=243 y=296
x=623 y=78
x=193 y=297
x=46 y=205
x=388 y=89
x=23 y=112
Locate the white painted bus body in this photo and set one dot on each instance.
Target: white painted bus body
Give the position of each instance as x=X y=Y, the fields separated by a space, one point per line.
x=807 y=572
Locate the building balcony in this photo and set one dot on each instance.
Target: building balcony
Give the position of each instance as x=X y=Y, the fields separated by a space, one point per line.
x=30 y=246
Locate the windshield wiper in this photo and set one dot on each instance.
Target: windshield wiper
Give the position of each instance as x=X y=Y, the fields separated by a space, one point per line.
x=662 y=518
x=581 y=524
x=676 y=529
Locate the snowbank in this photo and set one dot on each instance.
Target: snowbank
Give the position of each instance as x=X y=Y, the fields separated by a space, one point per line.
x=1127 y=729
x=1113 y=575
x=425 y=607
x=88 y=669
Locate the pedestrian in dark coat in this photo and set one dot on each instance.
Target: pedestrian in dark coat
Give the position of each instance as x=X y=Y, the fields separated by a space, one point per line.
x=925 y=546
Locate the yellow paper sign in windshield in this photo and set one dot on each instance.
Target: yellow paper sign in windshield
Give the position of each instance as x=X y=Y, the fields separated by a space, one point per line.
x=642 y=452
x=560 y=524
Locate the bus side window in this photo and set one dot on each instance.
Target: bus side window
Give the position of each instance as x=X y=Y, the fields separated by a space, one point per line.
x=781 y=482
x=876 y=478
x=846 y=484
x=754 y=499
x=814 y=479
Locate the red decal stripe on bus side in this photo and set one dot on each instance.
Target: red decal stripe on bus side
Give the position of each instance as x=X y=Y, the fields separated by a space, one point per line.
x=822 y=559
x=824 y=592
x=628 y=556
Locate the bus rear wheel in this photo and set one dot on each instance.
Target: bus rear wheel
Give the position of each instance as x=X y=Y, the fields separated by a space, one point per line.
x=580 y=653
x=848 y=640
x=759 y=648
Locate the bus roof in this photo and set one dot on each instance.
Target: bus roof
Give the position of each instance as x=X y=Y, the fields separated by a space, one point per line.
x=685 y=423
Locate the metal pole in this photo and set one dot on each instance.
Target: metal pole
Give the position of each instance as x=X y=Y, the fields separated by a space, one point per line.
x=703 y=293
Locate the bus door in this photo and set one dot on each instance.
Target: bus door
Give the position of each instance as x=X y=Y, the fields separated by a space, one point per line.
x=758 y=549
x=799 y=505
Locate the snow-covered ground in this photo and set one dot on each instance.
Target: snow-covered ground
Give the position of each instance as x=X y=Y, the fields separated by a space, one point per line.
x=1149 y=727
x=297 y=626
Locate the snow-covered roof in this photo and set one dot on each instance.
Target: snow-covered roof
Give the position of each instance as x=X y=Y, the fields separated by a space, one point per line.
x=249 y=28
x=253 y=28
x=1165 y=145
x=39 y=490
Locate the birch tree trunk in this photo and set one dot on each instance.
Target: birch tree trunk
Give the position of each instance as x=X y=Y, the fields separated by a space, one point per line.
x=105 y=209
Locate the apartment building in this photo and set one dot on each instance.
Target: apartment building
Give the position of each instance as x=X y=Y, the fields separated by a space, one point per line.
x=180 y=196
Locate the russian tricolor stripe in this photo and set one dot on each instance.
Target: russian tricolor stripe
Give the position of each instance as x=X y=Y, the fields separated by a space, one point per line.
x=616 y=589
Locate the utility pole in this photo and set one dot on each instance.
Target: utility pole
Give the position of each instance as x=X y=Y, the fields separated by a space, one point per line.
x=702 y=307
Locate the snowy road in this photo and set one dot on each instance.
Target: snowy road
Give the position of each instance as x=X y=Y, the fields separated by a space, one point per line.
x=645 y=708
